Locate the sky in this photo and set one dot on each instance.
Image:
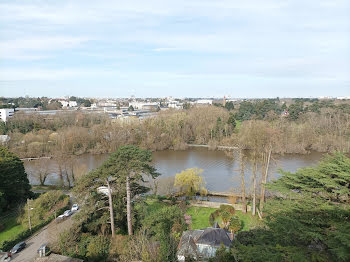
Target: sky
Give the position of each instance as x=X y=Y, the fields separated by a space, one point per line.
x=182 y=48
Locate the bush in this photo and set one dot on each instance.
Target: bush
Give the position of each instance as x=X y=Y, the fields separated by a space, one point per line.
x=98 y=248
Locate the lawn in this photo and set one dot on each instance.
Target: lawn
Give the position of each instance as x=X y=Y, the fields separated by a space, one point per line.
x=200 y=218
x=154 y=205
x=11 y=228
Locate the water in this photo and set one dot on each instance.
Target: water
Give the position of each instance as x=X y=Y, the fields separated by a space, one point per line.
x=221 y=172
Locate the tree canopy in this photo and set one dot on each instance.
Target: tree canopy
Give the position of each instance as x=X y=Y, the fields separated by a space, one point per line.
x=190 y=182
x=307 y=220
x=14 y=186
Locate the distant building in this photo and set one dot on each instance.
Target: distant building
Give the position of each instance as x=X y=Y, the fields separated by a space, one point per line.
x=107 y=104
x=202 y=244
x=343 y=97
x=6 y=113
x=68 y=103
x=204 y=102
x=175 y=104
x=144 y=105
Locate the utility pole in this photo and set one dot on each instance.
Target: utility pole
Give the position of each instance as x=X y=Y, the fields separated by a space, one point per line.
x=30 y=223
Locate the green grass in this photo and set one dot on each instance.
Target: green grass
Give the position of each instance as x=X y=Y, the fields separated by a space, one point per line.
x=200 y=218
x=12 y=228
x=248 y=220
x=238 y=125
x=47 y=187
x=154 y=205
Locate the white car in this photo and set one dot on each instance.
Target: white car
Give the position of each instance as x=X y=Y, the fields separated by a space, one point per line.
x=75 y=208
x=67 y=213
x=60 y=217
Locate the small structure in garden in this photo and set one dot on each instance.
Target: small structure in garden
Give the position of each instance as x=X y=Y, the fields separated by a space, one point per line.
x=202 y=243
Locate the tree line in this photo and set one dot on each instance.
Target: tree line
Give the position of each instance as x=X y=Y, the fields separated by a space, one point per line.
x=77 y=133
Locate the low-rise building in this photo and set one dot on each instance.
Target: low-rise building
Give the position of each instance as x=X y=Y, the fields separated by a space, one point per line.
x=175 y=104
x=144 y=105
x=6 y=113
x=204 y=102
x=65 y=103
x=202 y=244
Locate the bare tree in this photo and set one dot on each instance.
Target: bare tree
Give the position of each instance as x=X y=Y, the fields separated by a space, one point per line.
x=266 y=156
x=242 y=167
x=41 y=170
x=255 y=166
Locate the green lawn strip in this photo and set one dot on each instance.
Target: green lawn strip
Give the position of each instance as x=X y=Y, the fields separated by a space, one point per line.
x=200 y=218
x=12 y=228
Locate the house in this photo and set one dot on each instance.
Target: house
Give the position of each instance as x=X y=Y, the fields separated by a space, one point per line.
x=201 y=244
x=6 y=113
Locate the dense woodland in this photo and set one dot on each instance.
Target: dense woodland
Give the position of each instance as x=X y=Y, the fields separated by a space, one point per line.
x=310 y=126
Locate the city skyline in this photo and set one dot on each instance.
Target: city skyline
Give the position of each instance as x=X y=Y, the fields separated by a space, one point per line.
x=180 y=49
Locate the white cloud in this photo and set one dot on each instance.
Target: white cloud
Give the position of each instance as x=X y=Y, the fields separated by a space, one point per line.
x=31 y=48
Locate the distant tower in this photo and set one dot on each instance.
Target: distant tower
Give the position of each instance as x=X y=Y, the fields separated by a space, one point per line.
x=224 y=100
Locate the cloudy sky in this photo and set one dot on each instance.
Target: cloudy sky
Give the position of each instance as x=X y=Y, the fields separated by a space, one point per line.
x=182 y=48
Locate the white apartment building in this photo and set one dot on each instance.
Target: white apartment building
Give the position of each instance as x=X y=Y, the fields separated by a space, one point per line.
x=6 y=113
x=204 y=102
x=143 y=105
x=175 y=104
x=68 y=103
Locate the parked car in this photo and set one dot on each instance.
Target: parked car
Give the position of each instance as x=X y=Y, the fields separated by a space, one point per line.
x=44 y=250
x=75 y=208
x=17 y=248
x=60 y=217
x=67 y=213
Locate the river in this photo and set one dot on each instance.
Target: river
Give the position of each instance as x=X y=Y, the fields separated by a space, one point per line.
x=220 y=171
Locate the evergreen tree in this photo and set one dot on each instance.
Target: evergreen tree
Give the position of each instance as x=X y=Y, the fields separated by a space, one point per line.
x=14 y=185
x=123 y=171
x=307 y=220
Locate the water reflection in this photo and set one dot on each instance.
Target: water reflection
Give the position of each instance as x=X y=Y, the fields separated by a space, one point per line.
x=221 y=172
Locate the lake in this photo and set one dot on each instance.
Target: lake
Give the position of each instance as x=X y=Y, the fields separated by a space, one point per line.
x=220 y=171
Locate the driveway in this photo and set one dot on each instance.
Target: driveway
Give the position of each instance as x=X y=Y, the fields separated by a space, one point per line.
x=42 y=237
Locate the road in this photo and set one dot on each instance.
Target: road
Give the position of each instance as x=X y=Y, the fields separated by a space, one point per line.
x=42 y=237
